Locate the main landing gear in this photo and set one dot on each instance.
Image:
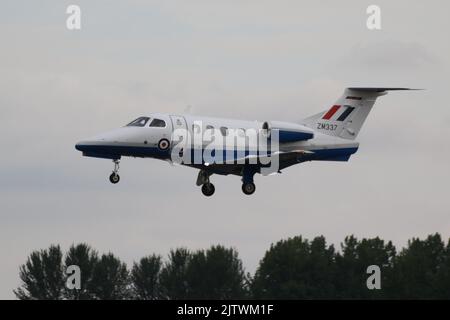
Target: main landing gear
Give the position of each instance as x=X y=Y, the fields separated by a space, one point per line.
x=203 y=180
x=248 y=186
x=114 y=177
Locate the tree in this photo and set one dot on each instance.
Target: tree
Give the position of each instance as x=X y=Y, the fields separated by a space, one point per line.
x=296 y=269
x=352 y=264
x=86 y=258
x=418 y=267
x=42 y=276
x=145 y=278
x=442 y=279
x=216 y=274
x=173 y=275
x=110 y=279
x=291 y=269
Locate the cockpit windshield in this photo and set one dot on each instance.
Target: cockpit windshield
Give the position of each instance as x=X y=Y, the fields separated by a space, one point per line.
x=139 y=122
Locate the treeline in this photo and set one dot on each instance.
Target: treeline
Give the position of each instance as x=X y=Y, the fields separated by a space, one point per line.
x=290 y=269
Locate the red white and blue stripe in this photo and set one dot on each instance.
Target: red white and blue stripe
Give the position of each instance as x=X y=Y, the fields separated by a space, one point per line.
x=338 y=113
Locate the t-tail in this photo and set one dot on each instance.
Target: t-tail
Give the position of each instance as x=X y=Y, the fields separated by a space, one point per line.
x=345 y=118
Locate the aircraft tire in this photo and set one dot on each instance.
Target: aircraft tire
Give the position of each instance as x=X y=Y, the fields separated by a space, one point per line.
x=248 y=188
x=208 y=189
x=114 y=178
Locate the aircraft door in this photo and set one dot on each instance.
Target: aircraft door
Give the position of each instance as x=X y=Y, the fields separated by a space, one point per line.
x=161 y=130
x=179 y=132
x=178 y=122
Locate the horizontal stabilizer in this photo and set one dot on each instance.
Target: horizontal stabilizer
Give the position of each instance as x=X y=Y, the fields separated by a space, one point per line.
x=373 y=89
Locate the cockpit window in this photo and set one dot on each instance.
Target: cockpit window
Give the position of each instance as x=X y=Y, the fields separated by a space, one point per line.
x=158 y=123
x=139 y=122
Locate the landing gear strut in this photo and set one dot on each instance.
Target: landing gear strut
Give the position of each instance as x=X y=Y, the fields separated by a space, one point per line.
x=248 y=187
x=203 y=180
x=114 y=177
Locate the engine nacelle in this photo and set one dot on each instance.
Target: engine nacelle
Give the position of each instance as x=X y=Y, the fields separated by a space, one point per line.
x=288 y=132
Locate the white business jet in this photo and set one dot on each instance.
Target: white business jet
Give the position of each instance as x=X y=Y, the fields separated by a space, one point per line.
x=239 y=147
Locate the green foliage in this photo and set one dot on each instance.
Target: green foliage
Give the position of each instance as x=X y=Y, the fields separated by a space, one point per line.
x=110 y=279
x=86 y=258
x=296 y=269
x=42 y=276
x=216 y=274
x=173 y=276
x=422 y=269
x=145 y=278
x=291 y=269
x=352 y=263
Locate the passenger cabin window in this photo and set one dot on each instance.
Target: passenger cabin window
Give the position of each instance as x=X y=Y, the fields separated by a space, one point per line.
x=158 y=123
x=224 y=130
x=139 y=122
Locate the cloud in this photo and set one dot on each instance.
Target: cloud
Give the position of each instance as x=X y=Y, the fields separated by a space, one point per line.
x=239 y=59
x=390 y=54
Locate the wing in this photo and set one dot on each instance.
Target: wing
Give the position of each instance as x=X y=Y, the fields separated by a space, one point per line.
x=281 y=156
x=283 y=159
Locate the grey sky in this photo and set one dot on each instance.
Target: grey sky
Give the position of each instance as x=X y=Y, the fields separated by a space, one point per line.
x=282 y=60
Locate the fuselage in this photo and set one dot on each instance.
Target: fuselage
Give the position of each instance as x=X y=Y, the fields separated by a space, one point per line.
x=152 y=136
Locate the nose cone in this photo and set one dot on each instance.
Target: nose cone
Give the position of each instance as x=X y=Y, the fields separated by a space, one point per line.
x=87 y=146
x=83 y=146
x=80 y=146
x=108 y=145
x=98 y=149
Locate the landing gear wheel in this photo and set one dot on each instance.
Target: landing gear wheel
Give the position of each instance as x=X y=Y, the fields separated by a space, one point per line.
x=114 y=178
x=248 y=188
x=208 y=189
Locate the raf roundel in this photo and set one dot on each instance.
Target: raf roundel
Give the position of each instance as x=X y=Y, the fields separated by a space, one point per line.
x=163 y=144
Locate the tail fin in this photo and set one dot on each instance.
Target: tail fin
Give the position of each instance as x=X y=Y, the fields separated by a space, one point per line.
x=346 y=117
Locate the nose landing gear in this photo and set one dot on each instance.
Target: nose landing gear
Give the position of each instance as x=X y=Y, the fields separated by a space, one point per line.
x=114 y=177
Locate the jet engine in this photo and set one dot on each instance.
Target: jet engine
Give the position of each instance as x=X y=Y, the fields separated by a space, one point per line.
x=287 y=132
